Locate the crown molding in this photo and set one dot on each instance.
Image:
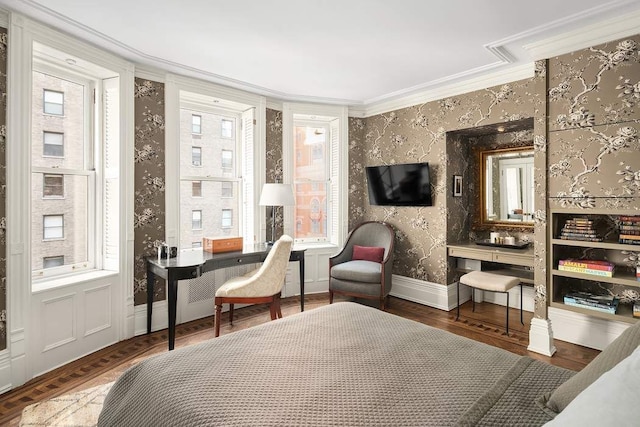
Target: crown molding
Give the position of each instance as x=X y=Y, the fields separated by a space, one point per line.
x=601 y=32
x=4 y=18
x=454 y=87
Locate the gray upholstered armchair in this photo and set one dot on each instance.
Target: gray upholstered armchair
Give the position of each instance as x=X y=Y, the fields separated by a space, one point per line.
x=365 y=273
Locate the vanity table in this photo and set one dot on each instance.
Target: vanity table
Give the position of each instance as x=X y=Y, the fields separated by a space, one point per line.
x=506 y=261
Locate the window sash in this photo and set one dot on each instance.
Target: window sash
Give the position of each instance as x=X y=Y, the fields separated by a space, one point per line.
x=52 y=261
x=53 y=186
x=196 y=124
x=196 y=189
x=196 y=156
x=226 y=128
x=53 y=144
x=196 y=220
x=53 y=102
x=52 y=227
x=227 y=218
x=227 y=159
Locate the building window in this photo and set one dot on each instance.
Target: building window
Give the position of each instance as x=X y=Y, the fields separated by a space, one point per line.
x=227 y=159
x=226 y=128
x=196 y=220
x=53 y=144
x=316 y=152
x=52 y=261
x=53 y=227
x=53 y=186
x=227 y=189
x=196 y=189
x=196 y=156
x=53 y=102
x=196 y=244
x=227 y=218
x=196 y=124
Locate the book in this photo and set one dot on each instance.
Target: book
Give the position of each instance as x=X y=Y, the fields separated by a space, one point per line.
x=629 y=236
x=592 y=298
x=636 y=309
x=592 y=235
x=584 y=239
x=629 y=218
x=629 y=241
x=609 y=310
x=588 y=263
x=630 y=227
x=630 y=232
x=583 y=270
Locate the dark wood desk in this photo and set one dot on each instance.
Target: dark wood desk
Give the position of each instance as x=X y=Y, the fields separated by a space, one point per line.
x=192 y=264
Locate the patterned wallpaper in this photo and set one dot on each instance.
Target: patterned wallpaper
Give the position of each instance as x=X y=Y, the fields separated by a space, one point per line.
x=149 y=207
x=274 y=166
x=3 y=189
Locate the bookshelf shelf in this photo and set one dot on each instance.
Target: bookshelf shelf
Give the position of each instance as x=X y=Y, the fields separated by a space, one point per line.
x=603 y=224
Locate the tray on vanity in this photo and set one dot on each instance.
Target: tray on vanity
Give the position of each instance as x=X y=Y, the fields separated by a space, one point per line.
x=517 y=245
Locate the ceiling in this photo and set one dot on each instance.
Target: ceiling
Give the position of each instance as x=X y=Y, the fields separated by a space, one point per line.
x=351 y=52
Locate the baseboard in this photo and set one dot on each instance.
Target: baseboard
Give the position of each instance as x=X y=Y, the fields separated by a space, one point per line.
x=428 y=293
x=588 y=331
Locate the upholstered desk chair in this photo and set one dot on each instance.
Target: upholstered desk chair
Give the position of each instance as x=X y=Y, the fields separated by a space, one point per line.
x=363 y=268
x=259 y=286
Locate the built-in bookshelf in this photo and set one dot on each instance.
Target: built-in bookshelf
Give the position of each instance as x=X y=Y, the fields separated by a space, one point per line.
x=593 y=238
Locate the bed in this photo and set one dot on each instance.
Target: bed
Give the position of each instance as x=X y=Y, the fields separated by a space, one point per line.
x=342 y=364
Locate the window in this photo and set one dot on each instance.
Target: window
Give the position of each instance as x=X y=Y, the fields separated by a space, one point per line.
x=52 y=261
x=53 y=227
x=196 y=220
x=53 y=102
x=53 y=144
x=53 y=186
x=196 y=124
x=227 y=218
x=315 y=161
x=196 y=156
x=227 y=159
x=225 y=177
x=75 y=162
x=196 y=244
x=226 y=128
x=196 y=189
x=227 y=189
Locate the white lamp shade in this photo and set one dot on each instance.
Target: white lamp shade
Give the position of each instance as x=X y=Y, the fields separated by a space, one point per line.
x=277 y=195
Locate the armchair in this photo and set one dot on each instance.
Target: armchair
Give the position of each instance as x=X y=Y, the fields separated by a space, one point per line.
x=363 y=277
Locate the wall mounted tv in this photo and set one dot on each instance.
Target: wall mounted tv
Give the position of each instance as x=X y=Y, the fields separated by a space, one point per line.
x=399 y=185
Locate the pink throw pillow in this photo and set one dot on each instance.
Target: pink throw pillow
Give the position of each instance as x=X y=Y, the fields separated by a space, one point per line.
x=368 y=253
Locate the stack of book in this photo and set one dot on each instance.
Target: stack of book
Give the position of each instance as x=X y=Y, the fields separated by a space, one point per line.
x=630 y=230
x=587 y=266
x=602 y=303
x=580 y=229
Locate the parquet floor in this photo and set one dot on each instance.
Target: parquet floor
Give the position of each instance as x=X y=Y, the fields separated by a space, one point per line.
x=485 y=325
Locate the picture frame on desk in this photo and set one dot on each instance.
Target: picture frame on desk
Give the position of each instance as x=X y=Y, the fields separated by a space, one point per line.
x=457 y=185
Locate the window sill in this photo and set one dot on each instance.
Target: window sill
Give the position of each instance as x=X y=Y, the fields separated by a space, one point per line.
x=311 y=245
x=45 y=284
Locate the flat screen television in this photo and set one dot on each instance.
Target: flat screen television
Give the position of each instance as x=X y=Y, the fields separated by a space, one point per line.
x=399 y=185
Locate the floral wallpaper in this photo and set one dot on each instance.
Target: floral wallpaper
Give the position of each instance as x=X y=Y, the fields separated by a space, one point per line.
x=594 y=146
x=149 y=207
x=3 y=189
x=274 y=166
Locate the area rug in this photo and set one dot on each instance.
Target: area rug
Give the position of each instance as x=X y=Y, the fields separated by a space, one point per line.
x=76 y=409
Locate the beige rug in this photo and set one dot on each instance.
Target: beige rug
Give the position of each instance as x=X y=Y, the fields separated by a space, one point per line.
x=77 y=409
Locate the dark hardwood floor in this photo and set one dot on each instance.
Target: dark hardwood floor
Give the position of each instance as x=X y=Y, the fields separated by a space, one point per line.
x=486 y=325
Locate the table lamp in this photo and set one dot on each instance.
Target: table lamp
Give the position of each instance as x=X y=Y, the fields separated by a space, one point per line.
x=276 y=194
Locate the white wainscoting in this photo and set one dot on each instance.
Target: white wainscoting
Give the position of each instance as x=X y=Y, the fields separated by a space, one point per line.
x=581 y=329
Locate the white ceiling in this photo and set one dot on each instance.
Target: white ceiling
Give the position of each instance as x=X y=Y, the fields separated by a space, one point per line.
x=353 y=52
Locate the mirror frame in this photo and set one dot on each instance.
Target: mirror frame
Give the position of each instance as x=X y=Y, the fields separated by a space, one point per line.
x=484 y=222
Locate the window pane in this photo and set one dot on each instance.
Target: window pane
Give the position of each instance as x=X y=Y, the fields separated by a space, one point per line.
x=197 y=244
x=53 y=144
x=311 y=210
x=53 y=185
x=54 y=261
x=227 y=159
x=58 y=141
x=227 y=218
x=196 y=124
x=196 y=220
x=196 y=189
x=196 y=156
x=60 y=225
x=226 y=189
x=226 y=128
x=53 y=226
x=53 y=102
x=211 y=207
x=311 y=163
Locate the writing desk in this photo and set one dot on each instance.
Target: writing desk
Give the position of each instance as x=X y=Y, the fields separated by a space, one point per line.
x=516 y=262
x=192 y=264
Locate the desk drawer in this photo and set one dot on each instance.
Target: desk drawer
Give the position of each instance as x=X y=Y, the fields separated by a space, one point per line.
x=470 y=253
x=513 y=259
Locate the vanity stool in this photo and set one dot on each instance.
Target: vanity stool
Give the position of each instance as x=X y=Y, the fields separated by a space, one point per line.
x=489 y=282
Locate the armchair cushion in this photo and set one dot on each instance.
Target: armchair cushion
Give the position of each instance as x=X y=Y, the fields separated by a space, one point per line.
x=358 y=271
x=368 y=253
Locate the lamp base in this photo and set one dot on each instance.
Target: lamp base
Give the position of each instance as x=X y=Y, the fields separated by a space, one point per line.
x=269 y=243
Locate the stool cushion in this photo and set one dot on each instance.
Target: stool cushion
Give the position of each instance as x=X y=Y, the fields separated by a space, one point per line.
x=489 y=282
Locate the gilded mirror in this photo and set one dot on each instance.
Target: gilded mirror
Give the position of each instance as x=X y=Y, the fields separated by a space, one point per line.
x=506 y=184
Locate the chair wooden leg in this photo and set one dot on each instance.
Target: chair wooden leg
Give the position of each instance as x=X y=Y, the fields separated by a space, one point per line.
x=382 y=303
x=278 y=308
x=330 y=296
x=231 y=314
x=273 y=310
x=216 y=319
